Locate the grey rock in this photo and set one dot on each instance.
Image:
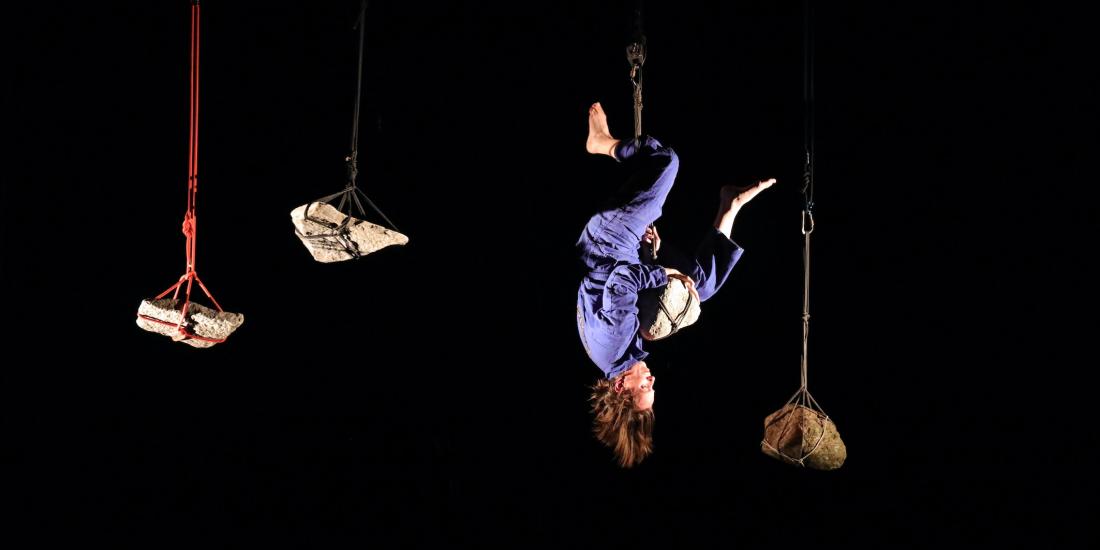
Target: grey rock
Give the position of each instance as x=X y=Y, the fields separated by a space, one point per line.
x=657 y=321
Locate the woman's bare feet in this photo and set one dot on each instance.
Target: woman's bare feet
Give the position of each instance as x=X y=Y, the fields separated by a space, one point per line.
x=599 y=141
x=732 y=198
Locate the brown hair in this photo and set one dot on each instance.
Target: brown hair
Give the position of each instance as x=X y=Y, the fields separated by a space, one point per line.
x=618 y=425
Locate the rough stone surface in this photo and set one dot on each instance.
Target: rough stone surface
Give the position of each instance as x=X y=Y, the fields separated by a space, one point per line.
x=201 y=320
x=655 y=324
x=798 y=432
x=318 y=234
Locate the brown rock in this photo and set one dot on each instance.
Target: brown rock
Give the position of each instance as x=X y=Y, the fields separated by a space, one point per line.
x=802 y=436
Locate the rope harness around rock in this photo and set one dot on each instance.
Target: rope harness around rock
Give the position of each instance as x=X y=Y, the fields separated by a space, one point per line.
x=190 y=220
x=802 y=398
x=351 y=199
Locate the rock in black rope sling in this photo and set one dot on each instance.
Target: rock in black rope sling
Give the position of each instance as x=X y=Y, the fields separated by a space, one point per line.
x=332 y=233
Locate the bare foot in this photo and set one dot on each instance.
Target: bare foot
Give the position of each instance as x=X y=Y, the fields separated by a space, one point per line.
x=599 y=141
x=732 y=198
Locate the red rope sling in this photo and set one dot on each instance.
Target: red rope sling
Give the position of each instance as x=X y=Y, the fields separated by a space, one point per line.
x=189 y=227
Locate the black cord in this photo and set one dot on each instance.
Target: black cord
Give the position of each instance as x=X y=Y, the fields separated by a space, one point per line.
x=808 y=104
x=353 y=157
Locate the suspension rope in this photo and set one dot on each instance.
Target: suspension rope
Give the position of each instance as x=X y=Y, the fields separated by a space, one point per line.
x=635 y=57
x=353 y=156
x=803 y=396
x=807 y=182
x=808 y=105
x=802 y=408
x=189 y=221
x=351 y=199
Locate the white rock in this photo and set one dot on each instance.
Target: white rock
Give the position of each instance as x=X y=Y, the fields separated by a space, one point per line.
x=657 y=322
x=318 y=233
x=201 y=320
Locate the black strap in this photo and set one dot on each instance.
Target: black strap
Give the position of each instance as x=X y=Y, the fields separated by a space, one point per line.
x=338 y=235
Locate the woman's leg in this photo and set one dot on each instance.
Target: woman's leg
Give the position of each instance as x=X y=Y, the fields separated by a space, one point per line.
x=717 y=254
x=613 y=234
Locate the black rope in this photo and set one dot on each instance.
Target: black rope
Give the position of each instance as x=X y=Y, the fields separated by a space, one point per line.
x=807 y=185
x=352 y=198
x=353 y=157
x=808 y=105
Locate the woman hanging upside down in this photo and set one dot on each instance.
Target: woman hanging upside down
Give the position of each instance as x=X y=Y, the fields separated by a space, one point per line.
x=607 y=312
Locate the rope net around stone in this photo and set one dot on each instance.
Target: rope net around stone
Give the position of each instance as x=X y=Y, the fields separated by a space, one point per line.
x=185 y=320
x=800 y=433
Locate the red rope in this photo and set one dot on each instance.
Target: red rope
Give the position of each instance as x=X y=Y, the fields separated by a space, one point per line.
x=190 y=222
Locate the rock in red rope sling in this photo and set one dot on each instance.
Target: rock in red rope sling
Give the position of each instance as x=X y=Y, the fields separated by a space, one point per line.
x=189 y=322
x=331 y=233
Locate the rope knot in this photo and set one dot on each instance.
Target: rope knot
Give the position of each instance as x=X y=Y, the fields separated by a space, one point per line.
x=188 y=226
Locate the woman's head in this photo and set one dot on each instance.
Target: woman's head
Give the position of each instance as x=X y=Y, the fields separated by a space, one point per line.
x=638 y=382
x=623 y=410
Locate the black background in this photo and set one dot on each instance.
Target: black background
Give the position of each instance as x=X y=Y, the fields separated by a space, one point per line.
x=434 y=394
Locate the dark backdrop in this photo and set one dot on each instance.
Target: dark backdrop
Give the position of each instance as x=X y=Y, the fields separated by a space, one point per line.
x=435 y=393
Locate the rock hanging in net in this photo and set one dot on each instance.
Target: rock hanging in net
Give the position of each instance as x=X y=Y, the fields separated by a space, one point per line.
x=802 y=436
x=332 y=236
x=210 y=325
x=665 y=310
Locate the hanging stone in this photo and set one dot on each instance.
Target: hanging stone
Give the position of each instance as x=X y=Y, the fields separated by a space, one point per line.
x=664 y=311
x=801 y=436
x=329 y=239
x=201 y=320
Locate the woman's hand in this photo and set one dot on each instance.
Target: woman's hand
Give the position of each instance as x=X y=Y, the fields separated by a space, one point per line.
x=652 y=239
x=675 y=274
